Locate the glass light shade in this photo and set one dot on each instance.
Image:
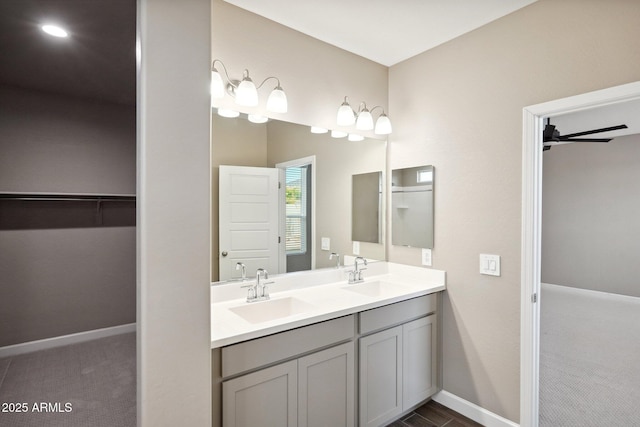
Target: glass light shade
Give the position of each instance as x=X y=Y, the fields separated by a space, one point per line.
x=54 y=30
x=345 y=117
x=316 y=129
x=364 y=121
x=246 y=93
x=383 y=125
x=217 y=85
x=225 y=112
x=256 y=118
x=338 y=134
x=355 y=137
x=277 y=101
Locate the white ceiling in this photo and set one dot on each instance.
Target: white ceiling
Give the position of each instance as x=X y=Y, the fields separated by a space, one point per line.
x=384 y=31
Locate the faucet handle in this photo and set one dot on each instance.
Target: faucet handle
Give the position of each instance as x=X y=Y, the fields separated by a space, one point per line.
x=265 y=289
x=251 y=292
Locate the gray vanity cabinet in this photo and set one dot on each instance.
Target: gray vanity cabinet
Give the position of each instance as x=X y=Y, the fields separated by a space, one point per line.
x=326 y=388
x=267 y=397
x=397 y=365
x=306 y=376
x=419 y=361
x=380 y=377
x=314 y=389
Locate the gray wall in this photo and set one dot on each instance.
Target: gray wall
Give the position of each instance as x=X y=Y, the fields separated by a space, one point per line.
x=459 y=108
x=591 y=216
x=60 y=273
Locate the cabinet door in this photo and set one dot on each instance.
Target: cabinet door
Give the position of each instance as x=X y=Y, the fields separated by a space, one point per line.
x=326 y=384
x=266 y=398
x=380 y=377
x=419 y=361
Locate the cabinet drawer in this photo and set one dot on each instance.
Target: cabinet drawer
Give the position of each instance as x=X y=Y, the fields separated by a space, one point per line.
x=263 y=351
x=394 y=314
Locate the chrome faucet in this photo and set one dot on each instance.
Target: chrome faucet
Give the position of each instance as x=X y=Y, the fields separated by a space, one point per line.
x=335 y=255
x=239 y=266
x=258 y=291
x=355 y=276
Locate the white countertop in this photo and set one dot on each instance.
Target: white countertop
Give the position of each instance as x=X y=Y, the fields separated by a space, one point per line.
x=327 y=293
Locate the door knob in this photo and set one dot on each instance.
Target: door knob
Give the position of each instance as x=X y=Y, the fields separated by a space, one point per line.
x=225 y=253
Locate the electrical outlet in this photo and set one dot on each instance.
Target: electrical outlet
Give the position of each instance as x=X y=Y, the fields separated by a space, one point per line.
x=356 y=248
x=325 y=244
x=426 y=257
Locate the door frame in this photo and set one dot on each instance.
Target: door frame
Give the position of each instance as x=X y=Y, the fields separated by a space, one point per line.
x=309 y=160
x=531 y=237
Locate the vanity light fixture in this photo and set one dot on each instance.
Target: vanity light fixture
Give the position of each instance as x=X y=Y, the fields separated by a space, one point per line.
x=54 y=30
x=363 y=119
x=355 y=137
x=256 y=118
x=316 y=129
x=225 y=112
x=338 y=134
x=245 y=91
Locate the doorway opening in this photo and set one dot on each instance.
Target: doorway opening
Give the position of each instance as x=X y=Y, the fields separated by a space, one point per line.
x=533 y=129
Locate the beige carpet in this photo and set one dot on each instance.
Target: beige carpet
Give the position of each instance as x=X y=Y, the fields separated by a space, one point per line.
x=589 y=358
x=91 y=384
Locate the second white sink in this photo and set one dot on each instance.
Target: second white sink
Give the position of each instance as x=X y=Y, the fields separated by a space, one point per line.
x=377 y=288
x=264 y=311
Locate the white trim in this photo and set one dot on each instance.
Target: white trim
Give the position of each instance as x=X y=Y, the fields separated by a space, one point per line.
x=28 y=347
x=471 y=410
x=310 y=160
x=531 y=229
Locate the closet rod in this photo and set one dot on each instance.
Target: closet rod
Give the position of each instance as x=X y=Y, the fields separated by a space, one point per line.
x=64 y=197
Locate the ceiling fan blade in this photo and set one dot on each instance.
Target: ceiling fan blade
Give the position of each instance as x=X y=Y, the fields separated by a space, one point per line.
x=590 y=132
x=548 y=133
x=585 y=139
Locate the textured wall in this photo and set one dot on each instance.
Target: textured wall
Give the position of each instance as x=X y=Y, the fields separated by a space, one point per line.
x=61 y=272
x=459 y=108
x=590 y=211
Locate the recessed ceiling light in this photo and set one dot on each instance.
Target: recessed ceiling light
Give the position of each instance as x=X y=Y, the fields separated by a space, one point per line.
x=54 y=30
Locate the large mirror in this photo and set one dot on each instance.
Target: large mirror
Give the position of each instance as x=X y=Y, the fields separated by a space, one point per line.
x=412 y=206
x=316 y=171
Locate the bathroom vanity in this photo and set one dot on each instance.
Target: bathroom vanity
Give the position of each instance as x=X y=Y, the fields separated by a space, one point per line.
x=321 y=351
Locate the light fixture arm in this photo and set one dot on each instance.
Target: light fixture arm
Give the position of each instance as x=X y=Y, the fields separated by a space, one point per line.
x=213 y=68
x=265 y=80
x=377 y=106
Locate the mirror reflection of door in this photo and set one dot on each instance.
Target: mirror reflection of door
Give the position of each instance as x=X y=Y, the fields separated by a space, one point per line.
x=298 y=213
x=249 y=220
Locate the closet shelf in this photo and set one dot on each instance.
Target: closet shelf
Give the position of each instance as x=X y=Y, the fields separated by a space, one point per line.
x=32 y=196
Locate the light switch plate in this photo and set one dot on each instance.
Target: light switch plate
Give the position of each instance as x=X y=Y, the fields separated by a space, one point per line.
x=426 y=257
x=490 y=264
x=356 y=248
x=325 y=244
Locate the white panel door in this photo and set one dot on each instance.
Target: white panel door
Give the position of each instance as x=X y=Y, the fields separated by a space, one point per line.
x=248 y=220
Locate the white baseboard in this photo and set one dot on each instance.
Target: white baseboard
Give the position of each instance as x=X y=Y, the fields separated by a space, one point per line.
x=471 y=410
x=28 y=347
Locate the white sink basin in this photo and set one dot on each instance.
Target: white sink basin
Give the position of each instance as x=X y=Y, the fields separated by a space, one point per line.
x=376 y=289
x=264 y=311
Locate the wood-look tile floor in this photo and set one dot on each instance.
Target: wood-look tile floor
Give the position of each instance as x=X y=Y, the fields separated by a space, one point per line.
x=433 y=414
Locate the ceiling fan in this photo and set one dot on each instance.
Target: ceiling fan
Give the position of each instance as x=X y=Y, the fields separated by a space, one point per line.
x=551 y=136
